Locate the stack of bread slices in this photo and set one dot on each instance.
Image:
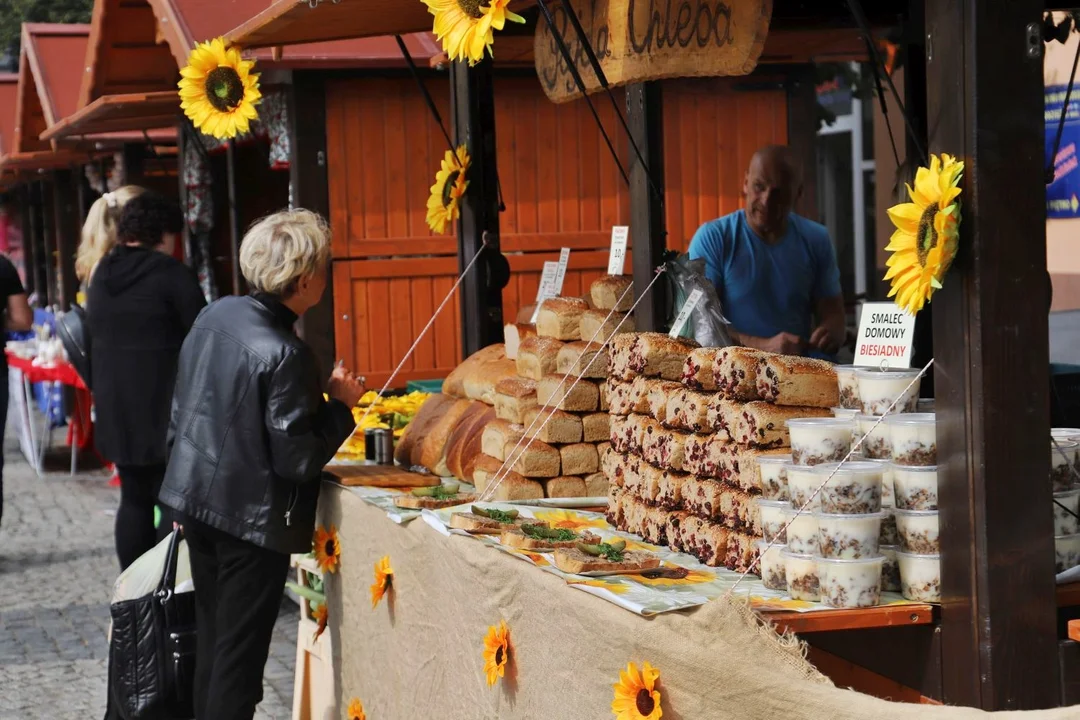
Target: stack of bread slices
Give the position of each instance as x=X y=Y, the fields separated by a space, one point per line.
x=551 y=420
x=688 y=425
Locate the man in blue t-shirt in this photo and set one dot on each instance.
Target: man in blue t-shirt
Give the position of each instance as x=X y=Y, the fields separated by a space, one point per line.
x=773 y=269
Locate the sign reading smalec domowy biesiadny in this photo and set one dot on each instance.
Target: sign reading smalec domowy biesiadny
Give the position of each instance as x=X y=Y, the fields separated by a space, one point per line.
x=637 y=40
x=885 y=336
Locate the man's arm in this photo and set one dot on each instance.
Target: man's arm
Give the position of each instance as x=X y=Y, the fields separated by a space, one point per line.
x=783 y=343
x=20 y=317
x=831 y=331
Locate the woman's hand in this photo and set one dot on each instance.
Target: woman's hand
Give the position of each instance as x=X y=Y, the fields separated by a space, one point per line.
x=345 y=386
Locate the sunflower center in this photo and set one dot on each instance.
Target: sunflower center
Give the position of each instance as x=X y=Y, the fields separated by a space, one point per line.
x=449 y=186
x=927 y=239
x=499 y=655
x=224 y=89
x=472 y=7
x=645 y=702
x=329 y=548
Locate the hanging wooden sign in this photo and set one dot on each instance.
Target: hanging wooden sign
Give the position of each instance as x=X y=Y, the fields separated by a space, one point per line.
x=639 y=40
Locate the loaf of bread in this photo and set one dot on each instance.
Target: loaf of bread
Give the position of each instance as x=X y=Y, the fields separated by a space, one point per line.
x=409 y=443
x=432 y=449
x=514 y=396
x=454 y=385
x=621 y=352
x=704 y=455
x=705 y=540
x=621 y=396
x=497 y=435
x=687 y=410
x=634 y=511
x=514 y=334
x=698 y=370
x=569 y=394
x=579 y=459
x=565 y=487
x=609 y=292
x=739 y=466
x=658 y=355
x=537 y=356
x=664 y=448
x=701 y=496
x=659 y=393
x=789 y=380
x=596 y=485
x=669 y=492
x=515 y=487
x=738 y=510
x=595 y=427
x=552 y=426
x=722 y=414
x=741 y=551
x=582 y=359
x=560 y=318
x=480 y=381
x=487 y=469
x=604 y=389
x=640 y=390
x=534 y=459
x=642 y=479
x=611 y=464
x=654 y=525
x=761 y=424
x=735 y=372
x=466 y=440
x=601 y=325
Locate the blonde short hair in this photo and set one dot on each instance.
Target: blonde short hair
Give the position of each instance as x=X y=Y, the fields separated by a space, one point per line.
x=99 y=230
x=282 y=248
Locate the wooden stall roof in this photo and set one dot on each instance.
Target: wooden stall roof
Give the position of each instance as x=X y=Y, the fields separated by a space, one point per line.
x=48 y=87
x=186 y=22
x=9 y=89
x=119 y=113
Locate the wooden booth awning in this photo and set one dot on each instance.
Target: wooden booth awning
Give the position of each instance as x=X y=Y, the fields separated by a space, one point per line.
x=48 y=87
x=132 y=112
x=9 y=92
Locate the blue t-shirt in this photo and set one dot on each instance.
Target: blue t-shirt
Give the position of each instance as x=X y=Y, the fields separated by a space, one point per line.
x=767 y=289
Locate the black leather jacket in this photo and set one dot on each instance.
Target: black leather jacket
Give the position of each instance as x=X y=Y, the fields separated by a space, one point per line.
x=250 y=431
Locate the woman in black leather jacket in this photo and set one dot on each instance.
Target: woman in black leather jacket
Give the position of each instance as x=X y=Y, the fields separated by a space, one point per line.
x=249 y=436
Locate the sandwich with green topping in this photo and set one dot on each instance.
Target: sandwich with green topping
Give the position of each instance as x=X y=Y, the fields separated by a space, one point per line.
x=486 y=521
x=542 y=538
x=433 y=498
x=611 y=556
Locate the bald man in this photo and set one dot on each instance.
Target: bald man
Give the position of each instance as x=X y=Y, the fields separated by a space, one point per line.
x=775 y=272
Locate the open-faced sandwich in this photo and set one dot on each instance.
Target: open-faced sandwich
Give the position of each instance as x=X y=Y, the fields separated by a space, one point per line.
x=541 y=537
x=485 y=521
x=610 y=557
x=435 y=497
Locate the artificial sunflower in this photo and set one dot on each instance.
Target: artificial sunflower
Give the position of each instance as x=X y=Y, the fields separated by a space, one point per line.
x=356 y=710
x=384 y=577
x=496 y=651
x=466 y=27
x=450 y=184
x=327 y=549
x=691 y=577
x=218 y=91
x=927 y=233
x=570 y=520
x=636 y=696
x=320 y=615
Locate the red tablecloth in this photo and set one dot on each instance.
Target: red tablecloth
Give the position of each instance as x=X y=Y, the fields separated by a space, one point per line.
x=61 y=372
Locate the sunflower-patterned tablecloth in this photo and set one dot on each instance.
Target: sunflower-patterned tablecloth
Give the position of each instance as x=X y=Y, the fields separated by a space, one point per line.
x=638 y=594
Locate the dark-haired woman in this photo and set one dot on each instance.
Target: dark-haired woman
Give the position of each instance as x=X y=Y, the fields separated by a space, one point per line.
x=142 y=303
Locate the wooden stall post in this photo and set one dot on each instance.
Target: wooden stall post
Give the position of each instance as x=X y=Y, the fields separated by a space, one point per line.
x=26 y=201
x=473 y=100
x=648 y=230
x=66 y=221
x=234 y=217
x=802 y=133
x=310 y=189
x=984 y=104
x=48 y=225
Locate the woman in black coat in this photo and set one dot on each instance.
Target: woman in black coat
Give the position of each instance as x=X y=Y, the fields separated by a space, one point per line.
x=142 y=303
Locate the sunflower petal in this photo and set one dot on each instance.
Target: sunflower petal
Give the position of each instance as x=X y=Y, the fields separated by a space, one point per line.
x=906 y=217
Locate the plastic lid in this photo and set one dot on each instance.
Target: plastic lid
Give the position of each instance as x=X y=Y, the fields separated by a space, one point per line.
x=850 y=467
x=881 y=372
x=798 y=556
x=772 y=503
x=774 y=459
x=911 y=419
x=915 y=513
x=913 y=468
x=879 y=559
x=818 y=422
x=763 y=544
x=861 y=516
x=933 y=556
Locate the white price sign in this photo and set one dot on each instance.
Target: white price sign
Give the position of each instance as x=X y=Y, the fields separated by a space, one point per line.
x=885 y=336
x=620 y=234
x=564 y=260
x=688 y=307
x=547 y=287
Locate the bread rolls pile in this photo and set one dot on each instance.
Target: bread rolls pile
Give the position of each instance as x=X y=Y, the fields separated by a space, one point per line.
x=687 y=428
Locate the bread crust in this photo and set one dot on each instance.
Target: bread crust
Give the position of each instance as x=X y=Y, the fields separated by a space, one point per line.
x=552 y=426
x=515 y=537
x=564 y=486
x=560 y=318
x=601 y=325
x=761 y=424
x=583 y=359
x=735 y=372
x=537 y=356
x=568 y=394
x=607 y=290
x=574 y=561
x=579 y=459
x=411 y=502
x=454 y=385
x=788 y=380
x=698 y=368
x=497 y=434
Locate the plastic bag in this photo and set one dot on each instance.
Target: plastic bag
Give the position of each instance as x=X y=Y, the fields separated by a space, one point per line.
x=707 y=324
x=144 y=575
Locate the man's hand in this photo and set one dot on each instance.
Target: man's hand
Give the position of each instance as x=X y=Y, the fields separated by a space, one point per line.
x=784 y=343
x=345 y=386
x=824 y=340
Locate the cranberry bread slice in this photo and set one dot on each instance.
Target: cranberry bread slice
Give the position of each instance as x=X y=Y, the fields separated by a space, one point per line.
x=788 y=380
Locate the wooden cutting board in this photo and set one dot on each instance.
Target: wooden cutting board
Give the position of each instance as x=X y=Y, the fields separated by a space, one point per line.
x=387 y=476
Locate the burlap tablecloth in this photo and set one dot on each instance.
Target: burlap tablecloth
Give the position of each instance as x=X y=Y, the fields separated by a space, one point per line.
x=419 y=653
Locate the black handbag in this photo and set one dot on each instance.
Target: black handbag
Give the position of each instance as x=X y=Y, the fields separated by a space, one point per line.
x=73 y=329
x=152 y=651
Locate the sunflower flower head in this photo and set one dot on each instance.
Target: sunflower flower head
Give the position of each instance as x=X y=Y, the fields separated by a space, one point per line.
x=444 y=204
x=320 y=615
x=927 y=233
x=466 y=27
x=636 y=696
x=218 y=91
x=356 y=710
x=384 y=578
x=327 y=549
x=496 y=651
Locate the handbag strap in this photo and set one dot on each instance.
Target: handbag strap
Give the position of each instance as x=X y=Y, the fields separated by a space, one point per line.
x=168 y=578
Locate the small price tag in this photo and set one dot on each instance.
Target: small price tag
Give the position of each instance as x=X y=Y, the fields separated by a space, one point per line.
x=547 y=287
x=617 y=259
x=564 y=260
x=684 y=314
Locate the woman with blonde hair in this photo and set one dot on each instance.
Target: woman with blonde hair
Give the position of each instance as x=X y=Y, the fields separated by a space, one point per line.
x=249 y=436
x=99 y=230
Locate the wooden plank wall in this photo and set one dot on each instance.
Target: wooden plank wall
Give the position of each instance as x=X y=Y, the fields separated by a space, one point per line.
x=560 y=185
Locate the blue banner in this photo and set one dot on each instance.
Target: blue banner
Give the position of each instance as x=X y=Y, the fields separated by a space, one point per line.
x=1063 y=194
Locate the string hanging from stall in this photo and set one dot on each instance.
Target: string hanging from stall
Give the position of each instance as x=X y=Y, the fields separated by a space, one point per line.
x=528 y=436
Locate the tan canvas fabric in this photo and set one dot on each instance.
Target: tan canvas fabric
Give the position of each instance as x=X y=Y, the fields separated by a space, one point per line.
x=419 y=654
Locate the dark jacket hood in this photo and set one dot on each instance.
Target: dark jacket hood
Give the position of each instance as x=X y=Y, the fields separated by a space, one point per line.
x=126 y=265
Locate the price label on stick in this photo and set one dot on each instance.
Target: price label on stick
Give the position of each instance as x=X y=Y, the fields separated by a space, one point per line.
x=547 y=287
x=688 y=307
x=564 y=260
x=617 y=259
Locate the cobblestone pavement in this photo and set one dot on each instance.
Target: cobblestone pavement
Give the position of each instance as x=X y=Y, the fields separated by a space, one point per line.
x=57 y=566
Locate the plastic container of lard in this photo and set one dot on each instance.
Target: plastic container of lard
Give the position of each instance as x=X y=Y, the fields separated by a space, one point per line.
x=849 y=386
x=819 y=440
x=915 y=488
x=887 y=499
x=888 y=535
x=803 y=482
x=850 y=583
x=802 y=532
x=773 y=514
x=1065 y=521
x=848 y=536
x=772 y=476
x=918 y=531
x=845 y=413
x=914 y=439
x=876 y=443
x=878 y=389
x=1063 y=459
x=801 y=573
x=920 y=576
x=890 y=569
x=853 y=487
x=772 y=566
